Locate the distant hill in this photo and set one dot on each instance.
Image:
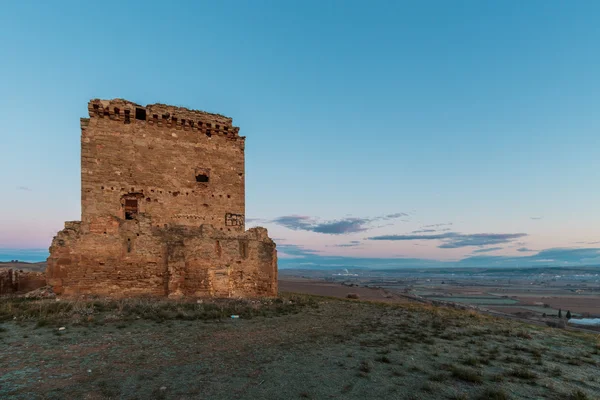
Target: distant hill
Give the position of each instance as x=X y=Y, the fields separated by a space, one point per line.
x=24 y=266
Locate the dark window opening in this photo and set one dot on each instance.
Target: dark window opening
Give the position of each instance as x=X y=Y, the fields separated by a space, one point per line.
x=226 y=128
x=243 y=248
x=201 y=178
x=208 y=133
x=217 y=127
x=127 y=116
x=106 y=113
x=96 y=107
x=199 y=124
x=131 y=208
x=192 y=124
x=166 y=116
x=140 y=113
x=117 y=111
x=155 y=117
x=129 y=245
x=183 y=122
x=174 y=120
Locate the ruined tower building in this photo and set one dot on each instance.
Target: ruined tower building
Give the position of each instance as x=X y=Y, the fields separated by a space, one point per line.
x=162 y=209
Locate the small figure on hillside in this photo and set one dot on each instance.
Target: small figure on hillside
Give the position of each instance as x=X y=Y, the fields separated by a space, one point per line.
x=559 y=313
x=568 y=314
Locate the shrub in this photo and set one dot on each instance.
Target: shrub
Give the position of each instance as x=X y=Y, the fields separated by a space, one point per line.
x=523 y=373
x=493 y=394
x=365 y=366
x=440 y=377
x=578 y=395
x=466 y=374
x=472 y=361
x=383 y=359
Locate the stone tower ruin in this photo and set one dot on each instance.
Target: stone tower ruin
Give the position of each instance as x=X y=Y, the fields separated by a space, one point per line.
x=162 y=209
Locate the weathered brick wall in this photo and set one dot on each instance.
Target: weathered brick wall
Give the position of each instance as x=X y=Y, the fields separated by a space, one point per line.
x=156 y=161
x=7 y=281
x=186 y=237
x=175 y=261
x=14 y=281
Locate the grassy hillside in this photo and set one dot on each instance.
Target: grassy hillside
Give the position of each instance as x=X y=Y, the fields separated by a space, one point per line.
x=293 y=347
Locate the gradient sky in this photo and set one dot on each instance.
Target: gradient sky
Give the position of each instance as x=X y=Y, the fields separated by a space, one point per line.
x=368 y=124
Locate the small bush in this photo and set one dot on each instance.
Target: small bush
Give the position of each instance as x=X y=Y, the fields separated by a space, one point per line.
x=523 y=373
x=383 y=359
x=440 y=377
x=466 y=374
x=493 y=394
x=365 y=366
x=578 y=395
x=426 y=388
x=472 y=361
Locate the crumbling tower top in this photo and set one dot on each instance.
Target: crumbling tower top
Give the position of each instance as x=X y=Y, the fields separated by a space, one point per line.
x=162 y=115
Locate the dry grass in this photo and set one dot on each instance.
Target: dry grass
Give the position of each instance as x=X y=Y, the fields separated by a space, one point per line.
x=320 y=347
x=98 y=311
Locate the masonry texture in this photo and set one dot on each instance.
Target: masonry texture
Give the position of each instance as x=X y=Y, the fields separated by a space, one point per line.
x=162 y=209
x=17 y=281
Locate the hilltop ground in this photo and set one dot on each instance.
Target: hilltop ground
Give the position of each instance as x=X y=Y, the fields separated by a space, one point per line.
x=298 y=346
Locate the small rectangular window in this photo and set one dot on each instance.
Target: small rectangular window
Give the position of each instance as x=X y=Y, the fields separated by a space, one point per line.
x=201 y=178
x=131 y=208
x=140 y=113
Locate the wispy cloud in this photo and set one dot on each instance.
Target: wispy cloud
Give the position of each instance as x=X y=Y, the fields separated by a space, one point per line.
x=452 y=240
x=524 y=250
x=487 y=250
x=296 y=250
x=480 y=239
x=396 y=215
x=536 y=217
x=24 y=188
x=333 y=227
x=353 y=243
x=437 y=225
x=414 y=237
x=423 y=231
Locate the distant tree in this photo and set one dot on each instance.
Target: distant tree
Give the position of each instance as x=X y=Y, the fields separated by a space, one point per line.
x=559 y=313
x=544 y=315
x=568 y=314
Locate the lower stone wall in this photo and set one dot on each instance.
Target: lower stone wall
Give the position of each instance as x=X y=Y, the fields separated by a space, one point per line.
x=15 y=281
x=122 y=258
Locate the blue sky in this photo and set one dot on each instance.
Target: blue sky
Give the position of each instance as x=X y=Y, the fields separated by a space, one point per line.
x=480 y=115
